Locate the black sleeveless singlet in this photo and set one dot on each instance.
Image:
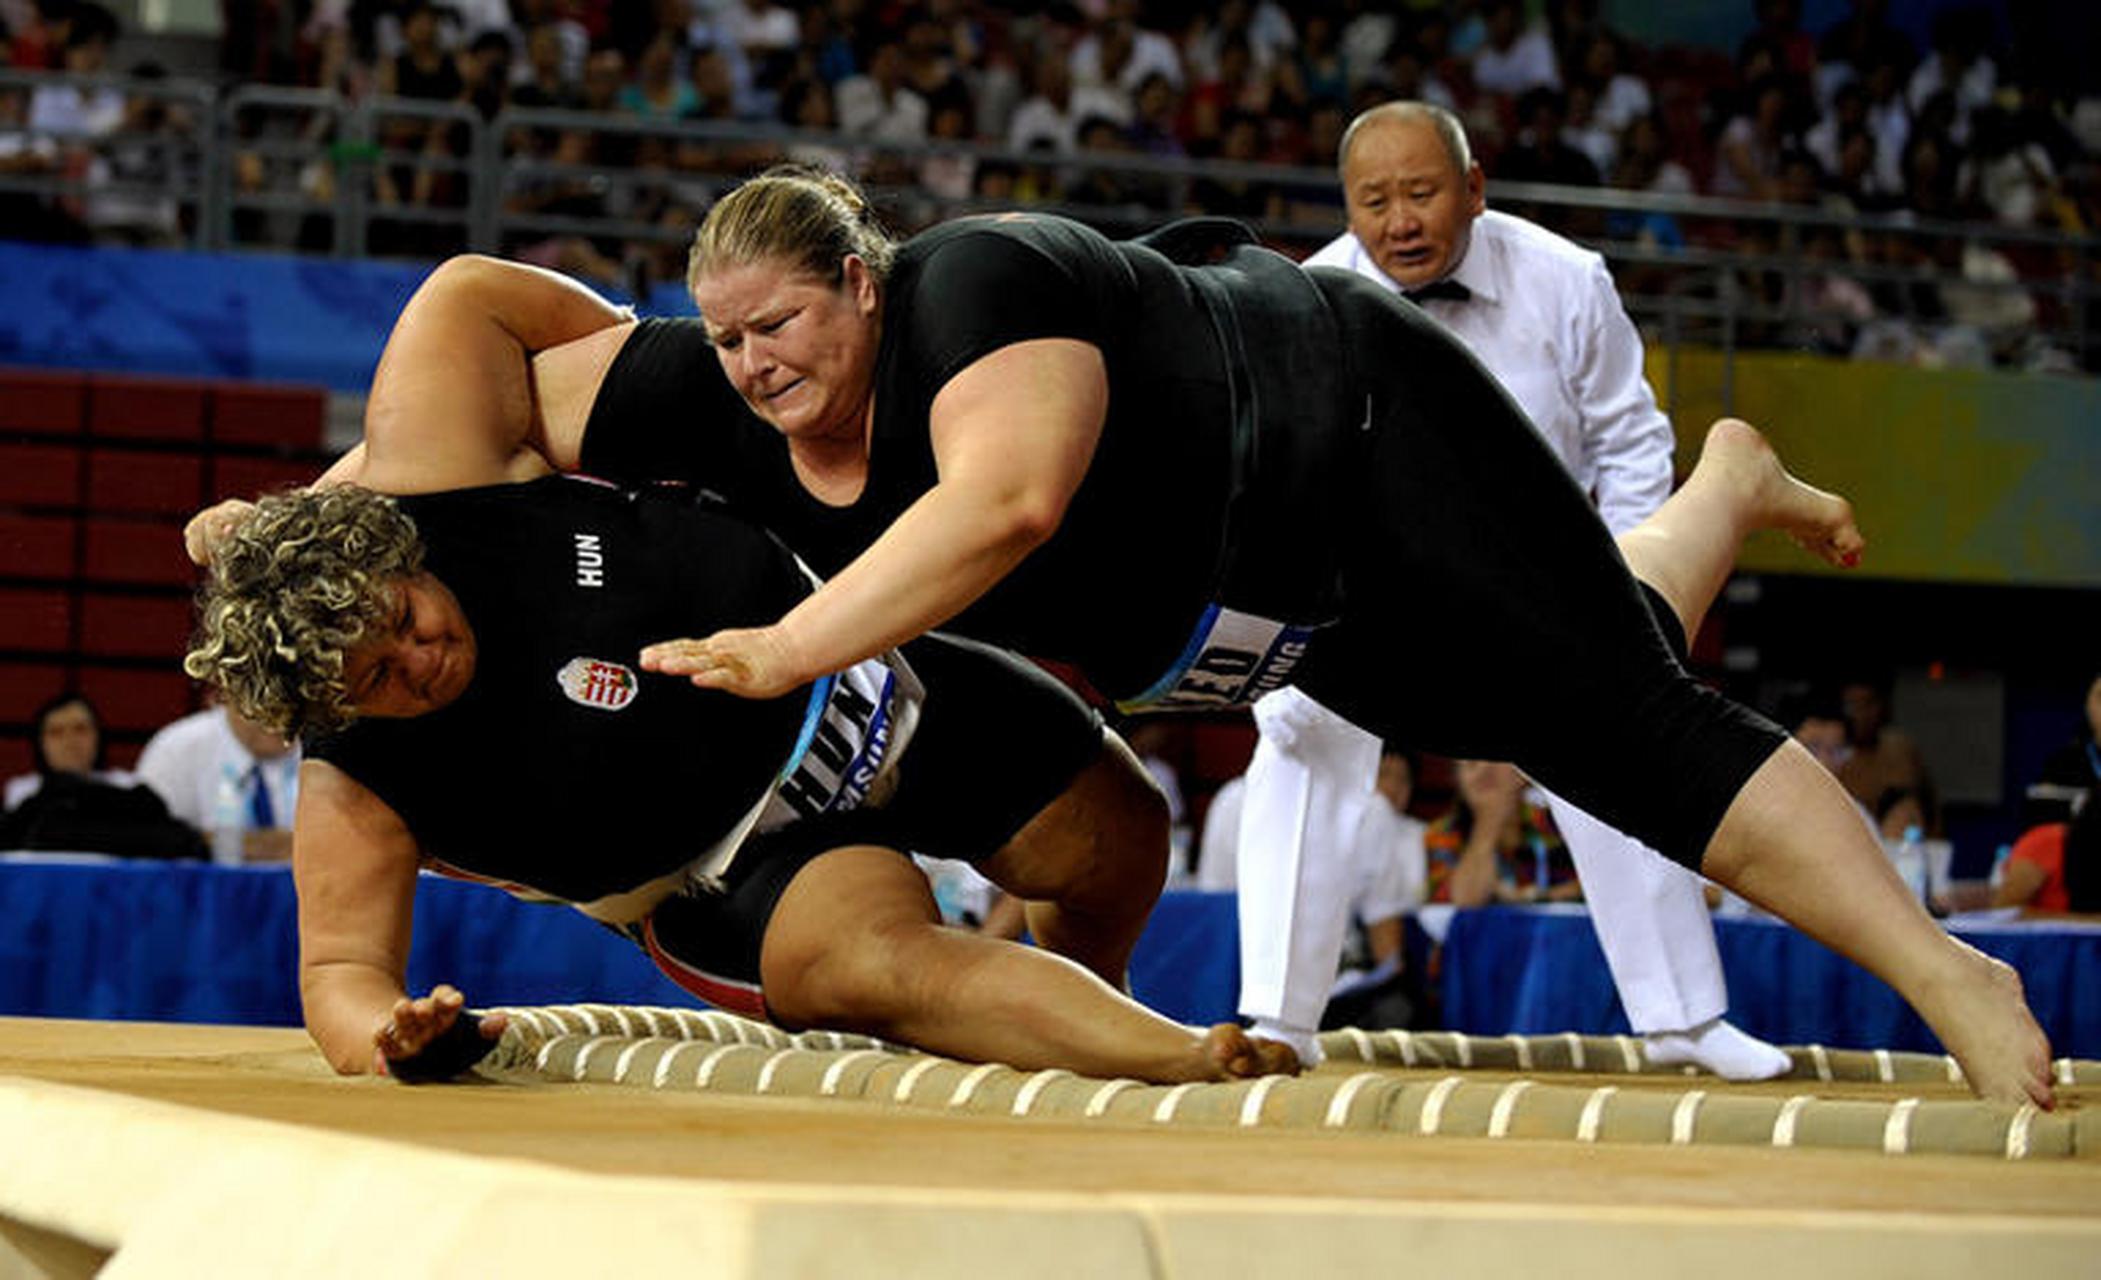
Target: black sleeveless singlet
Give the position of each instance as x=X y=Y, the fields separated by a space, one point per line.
x=564 y=766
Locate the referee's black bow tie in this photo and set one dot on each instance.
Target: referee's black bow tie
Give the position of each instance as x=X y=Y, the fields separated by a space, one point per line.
x=1449 y=290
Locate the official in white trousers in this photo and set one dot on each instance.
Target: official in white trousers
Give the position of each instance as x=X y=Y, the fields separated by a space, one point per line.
x=1543 y=315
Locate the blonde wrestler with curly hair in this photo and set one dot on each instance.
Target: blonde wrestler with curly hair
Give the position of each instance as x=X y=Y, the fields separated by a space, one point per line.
x=295 y=588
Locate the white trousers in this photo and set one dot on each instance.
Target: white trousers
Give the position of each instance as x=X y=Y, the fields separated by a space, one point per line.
x=1312 y=775
x=1652 y=920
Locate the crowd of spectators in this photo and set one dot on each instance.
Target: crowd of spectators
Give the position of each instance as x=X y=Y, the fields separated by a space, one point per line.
x=1856 y=119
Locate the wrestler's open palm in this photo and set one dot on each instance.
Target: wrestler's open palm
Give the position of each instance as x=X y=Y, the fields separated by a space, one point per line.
x=209 y=527
x=751 y=662
x=413 y=1023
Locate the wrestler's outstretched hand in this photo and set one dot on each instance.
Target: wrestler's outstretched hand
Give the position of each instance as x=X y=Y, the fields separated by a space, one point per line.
x=413 y=1024
x=209 y=527
x=751 y=662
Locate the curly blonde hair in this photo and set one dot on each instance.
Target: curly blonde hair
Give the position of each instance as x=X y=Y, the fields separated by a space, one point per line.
x=291 y=591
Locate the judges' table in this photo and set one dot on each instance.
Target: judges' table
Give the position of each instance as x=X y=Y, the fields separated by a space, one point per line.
x=1534 y=970
x=96 y=938
x=82 y=938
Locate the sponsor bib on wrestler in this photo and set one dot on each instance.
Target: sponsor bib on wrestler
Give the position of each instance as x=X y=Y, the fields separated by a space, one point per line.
x=593 y=682
x=1232 y=660
x=844 y=747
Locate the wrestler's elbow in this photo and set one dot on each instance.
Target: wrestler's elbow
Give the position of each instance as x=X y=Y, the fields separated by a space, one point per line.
x=339 y=1016
x=346 y=1055
x=461 y=274
x=1033 y=518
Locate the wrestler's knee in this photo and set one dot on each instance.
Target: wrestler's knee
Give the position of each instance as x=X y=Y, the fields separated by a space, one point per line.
x=864 y=976
x=841 y=934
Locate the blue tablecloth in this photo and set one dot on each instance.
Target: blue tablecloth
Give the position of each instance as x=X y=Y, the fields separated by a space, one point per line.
x=1534 y=971
x=210 y=944
x=194 y=943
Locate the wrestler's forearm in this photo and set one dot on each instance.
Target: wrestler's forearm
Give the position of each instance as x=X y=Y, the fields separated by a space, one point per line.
x=344 y=1004
x=945 y=551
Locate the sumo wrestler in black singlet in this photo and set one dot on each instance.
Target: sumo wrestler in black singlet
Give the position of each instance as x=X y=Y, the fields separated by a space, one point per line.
x=1290 y=453
x=565 y=772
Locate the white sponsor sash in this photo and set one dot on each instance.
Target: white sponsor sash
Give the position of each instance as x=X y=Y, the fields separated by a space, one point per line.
x=1232 y=659
x=853 y=733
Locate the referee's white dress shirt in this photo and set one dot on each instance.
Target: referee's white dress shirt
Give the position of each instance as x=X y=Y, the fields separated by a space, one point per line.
x=1547 y=321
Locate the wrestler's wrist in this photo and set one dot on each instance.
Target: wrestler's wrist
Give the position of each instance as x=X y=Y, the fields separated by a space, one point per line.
x=790 y=656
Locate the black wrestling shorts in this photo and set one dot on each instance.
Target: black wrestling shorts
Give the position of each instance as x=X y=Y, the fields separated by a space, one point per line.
x=998 y=740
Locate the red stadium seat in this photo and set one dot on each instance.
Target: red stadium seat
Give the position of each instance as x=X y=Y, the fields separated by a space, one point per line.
x=25 y=686
x=14 y=755
x=37 y=546
x=293 y=417
x=43 y=402
x=145 y=408
x=136 y=551
x=137 y=700
x=120 y=480
x=39 y=475
x=134 y=626
x=35 y=619
x=247 y=477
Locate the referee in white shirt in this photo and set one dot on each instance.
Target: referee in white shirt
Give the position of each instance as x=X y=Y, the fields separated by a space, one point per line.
x=1543 y=315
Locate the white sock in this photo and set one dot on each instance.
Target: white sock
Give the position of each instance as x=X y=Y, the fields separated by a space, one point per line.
x=1718 y=1047
x=1307 y=1043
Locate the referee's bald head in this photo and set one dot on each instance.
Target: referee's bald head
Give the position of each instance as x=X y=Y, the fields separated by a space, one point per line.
x=1446 y=125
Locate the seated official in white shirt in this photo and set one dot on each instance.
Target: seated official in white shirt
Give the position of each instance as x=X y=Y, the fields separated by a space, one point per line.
x=230 y=779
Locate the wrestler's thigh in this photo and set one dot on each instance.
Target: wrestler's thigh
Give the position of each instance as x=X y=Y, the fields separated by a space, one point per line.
x=999 y=741
x=1107 y=832
x=1482 y=594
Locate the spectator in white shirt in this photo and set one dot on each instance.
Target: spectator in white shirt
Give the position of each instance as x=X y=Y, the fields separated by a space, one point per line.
x=2007 y=171
x=1747 y=155
x=1121 y=53
x=1264 y=26
x=1544 y=317
x=1622 y=97
x=75 y=112
x=1958 y=64
x=1889 y=119
x=1051 y=115
x=1515 y=58
x=1387 y=870
x=879 y=104
x=230 y=779
x=759 y=27
x=1216 y=867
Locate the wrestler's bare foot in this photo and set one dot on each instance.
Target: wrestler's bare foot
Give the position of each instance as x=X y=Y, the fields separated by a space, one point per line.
x=1737 y=454
x=1983 y=1020
x=1230 y=1053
